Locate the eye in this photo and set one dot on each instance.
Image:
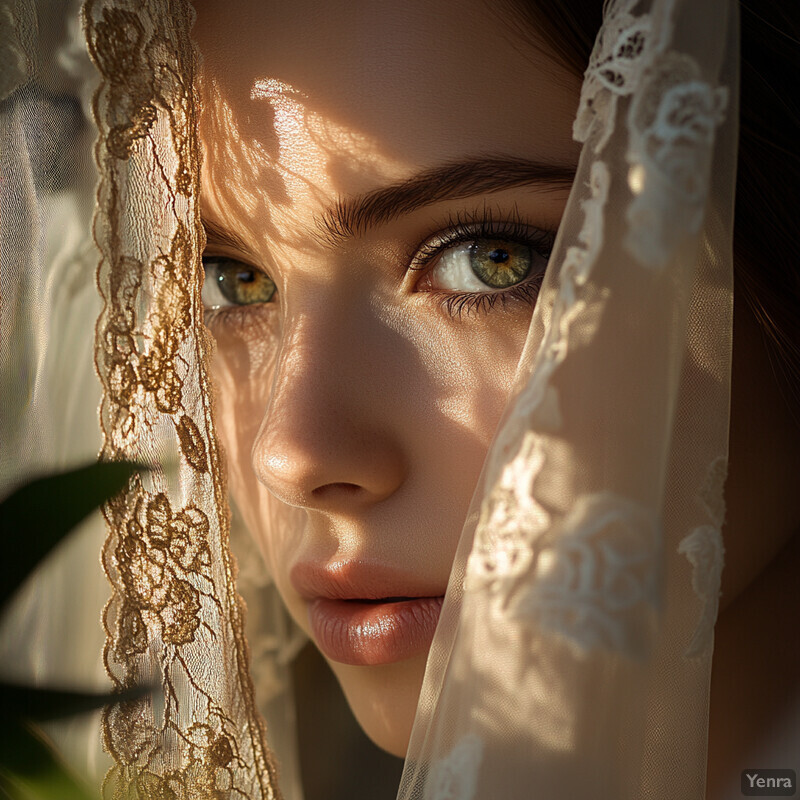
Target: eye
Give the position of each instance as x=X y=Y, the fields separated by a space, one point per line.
x=482 y=265
x=230 y=282
x=475 y=260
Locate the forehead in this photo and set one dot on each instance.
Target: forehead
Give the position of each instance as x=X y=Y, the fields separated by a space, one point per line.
x=347 y=96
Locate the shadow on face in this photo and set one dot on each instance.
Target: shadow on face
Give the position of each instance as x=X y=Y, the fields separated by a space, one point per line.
x=396 y=171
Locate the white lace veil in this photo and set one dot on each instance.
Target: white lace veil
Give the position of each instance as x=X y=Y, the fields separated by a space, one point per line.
x=576 y=660
x=573 y=654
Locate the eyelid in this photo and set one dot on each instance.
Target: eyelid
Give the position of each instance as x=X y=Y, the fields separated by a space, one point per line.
x=216 y=251
x=456 y=303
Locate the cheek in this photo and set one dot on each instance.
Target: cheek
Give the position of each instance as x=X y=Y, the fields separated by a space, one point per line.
x=242 y=371
x=471 y=363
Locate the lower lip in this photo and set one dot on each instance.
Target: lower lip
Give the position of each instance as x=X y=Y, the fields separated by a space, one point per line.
x=373 y=633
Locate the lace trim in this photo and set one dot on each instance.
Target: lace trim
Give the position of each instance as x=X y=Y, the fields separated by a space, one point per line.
x=510 y=522
x=508 y=542
x=539 y=401
x=704 y=549
x=174 y=616
x=712 y=492
x=621 y=50
x=671 y=123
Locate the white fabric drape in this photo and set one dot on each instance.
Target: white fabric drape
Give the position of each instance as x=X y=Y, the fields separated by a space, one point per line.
x=576 y=660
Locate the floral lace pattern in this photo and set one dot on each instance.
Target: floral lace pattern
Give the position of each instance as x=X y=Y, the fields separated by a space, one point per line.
x=539 y=401
x=173 y=600
x=510 y=523
x=615 y=67
x=671 y=124
x=705 y=550
x=594 y=580
x=157 y=553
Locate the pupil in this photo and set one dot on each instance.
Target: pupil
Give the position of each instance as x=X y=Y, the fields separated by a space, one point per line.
x=499 y=256
x=246 y=276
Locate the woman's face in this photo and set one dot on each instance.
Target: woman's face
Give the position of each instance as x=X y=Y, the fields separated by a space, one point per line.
x=380 y=187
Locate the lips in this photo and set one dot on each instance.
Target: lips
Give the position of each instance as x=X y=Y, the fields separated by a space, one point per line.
x=367 y=614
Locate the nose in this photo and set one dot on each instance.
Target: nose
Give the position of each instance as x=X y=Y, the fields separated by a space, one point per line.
x=328 y=440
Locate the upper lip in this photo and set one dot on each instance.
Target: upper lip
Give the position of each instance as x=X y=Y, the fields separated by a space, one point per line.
x=358 y=580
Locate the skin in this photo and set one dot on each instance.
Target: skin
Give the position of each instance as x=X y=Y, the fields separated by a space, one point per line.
x=348 y=452
x=355 y=411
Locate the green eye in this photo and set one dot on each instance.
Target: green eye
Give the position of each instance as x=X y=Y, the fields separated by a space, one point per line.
x=483 y=265
x=244 y=285
x=230 y=282
x=499 y=263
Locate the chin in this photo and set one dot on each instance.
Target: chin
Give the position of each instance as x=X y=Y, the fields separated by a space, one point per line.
x=384 y=699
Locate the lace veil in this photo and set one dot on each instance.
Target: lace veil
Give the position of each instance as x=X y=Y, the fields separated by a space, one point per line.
x=573 y=655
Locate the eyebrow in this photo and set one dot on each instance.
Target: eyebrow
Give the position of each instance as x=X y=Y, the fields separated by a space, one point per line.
x=222 y=237
x=453 y=180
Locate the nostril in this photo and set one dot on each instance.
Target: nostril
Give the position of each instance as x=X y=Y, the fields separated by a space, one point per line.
x=339 y=496
x=337 y=489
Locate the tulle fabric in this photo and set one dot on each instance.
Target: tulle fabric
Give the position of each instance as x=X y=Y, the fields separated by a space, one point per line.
x=576 y=660
x=574 y=650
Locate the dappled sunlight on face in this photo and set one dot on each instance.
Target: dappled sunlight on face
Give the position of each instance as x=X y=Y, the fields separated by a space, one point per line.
x=308 y=142
x=398 y=174
x=268 y=189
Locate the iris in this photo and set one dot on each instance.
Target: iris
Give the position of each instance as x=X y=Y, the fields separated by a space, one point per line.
x=238 y=283
x=499 y=264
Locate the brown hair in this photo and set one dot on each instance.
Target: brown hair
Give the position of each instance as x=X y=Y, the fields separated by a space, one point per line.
x=766 y=241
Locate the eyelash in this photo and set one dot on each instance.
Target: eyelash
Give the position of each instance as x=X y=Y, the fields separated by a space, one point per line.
x=469 y=226
x=454 y=230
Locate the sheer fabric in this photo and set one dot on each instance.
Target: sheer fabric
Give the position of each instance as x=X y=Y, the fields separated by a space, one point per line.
x=574 y=649
x=167 y=553
x=48 y=303
x=166 y=549
x=577 y=658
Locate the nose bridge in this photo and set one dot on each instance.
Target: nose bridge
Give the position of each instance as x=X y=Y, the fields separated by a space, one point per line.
x=313 y=357
x=323 y=441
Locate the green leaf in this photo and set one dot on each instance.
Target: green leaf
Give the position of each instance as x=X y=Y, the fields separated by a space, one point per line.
x=32 y=703
x=37 y=516
x=29 y=769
